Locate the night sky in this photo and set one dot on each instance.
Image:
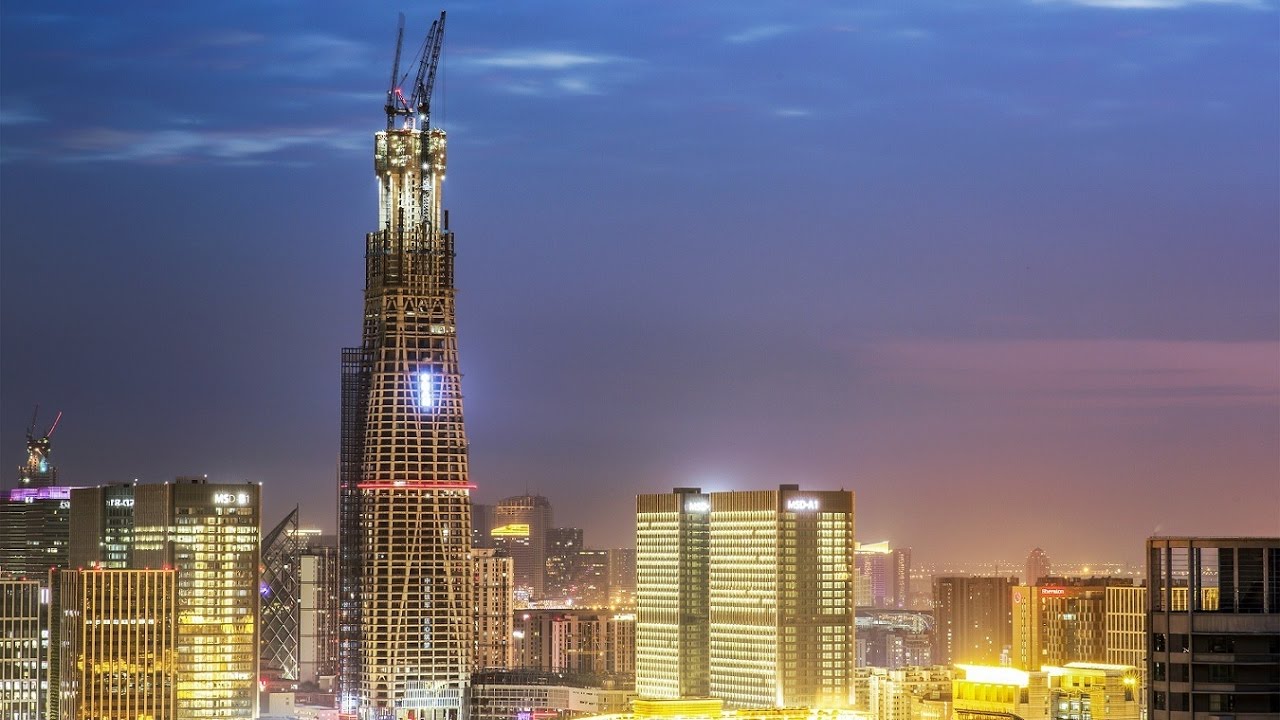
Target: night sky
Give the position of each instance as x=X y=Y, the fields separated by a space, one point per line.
x=1008 y=269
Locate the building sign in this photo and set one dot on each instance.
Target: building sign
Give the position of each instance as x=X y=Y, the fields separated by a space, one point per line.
x=226 y=498
x=119 y=502
x=697 y=506
x=802 y=504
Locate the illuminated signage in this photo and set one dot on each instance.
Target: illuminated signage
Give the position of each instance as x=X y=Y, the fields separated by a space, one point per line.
x=511 y=530
x=119 y=502
x=226 y=498
x=802 y=504
x=697 y=506
x=1053 y=591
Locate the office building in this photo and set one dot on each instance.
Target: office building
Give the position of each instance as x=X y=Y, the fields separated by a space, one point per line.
x=779 y=606
x=481 y=525
x=280 y=588
x=562 y=547
x=34 y=531
x=118 y=641
x=622 y=578
x=1038 y=567
x=974 y=620
x=520 y=526
x=208 y=533
x=23 y=677
x=317 y=607
x=883 y=577
x=590 y=586
x=101 y=527
x=1061 y=621
x=404 y=506
x=575 y=640
x=672 y=581
x=495 y=601
x=1126 y=618
x=1076 y=691
x=539 y=694
x=1213 y=627
x=901 y=694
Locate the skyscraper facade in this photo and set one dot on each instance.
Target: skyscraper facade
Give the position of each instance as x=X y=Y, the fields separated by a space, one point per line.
x=404 y=502
x=118 y=637
x=1216 y=653
x=22 y=676
x=209 y=534
x=974 y=620
x=1061 y=621
x=1038 y=567
x=777 y=620
x=520 y=526
x=495 y=600
x=280 y=599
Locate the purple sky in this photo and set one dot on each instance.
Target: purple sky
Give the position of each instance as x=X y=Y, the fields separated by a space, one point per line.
x=1008 y=269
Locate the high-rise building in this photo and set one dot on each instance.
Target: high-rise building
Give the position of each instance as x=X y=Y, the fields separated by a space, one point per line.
x=590 y=586
x=404 y=491
x=1216 y=652
x=520 y=526
x=622 y=578
x=1126 y=618
x=900 y=579
x=779 y=624
x=671 y=594
x=317 y=607
x=481 y=525
x=118 y=642
x=1061 y=621
x=872 y=562
x=573 y=640
x=563 y=546
x=33 y=516
x=495 y=601
x=102 y=527
x=208 y=533
x=23 y=678
x=280 y=589
x=974 y=620
x=1075 y=691
x=1037 y=567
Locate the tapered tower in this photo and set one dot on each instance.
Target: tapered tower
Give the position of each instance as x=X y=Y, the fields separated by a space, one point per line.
x=404 y=504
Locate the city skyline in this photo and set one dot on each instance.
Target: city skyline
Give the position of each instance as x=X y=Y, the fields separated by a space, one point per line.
x=989 y=259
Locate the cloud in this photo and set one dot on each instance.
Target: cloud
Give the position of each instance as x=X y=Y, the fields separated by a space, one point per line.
x=550 y=73
x=186 y=145
x=538 y=60
x=17 y=112
x=792 y=112
x=1154 y=4
x=1093 y=372
x=757 y=33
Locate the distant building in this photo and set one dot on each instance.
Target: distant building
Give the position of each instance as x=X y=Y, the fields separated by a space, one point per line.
x=590 y=585
x=1072 y=692
x=495 y=601
x=34 y=531
x=539 y=694
x=883 y=575
x=562 y=547
x=974 y=620
x=1126 y=618
x=902 y=694
x=575 y=640
x=1213 y=627
x=280 y=588
x=520 y=527
x=317 y=607
x=779 y=626
x=1038 y=567
x=622 y=578
x=23 y=676
x=1061 y=621
x=900 y=577
x=118 y=644
x=481 y=525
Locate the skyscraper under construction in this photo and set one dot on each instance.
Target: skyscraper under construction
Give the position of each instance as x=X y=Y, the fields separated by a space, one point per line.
x=404 y=505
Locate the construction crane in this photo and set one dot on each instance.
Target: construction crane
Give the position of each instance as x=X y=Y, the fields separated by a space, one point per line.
x=416 y=107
